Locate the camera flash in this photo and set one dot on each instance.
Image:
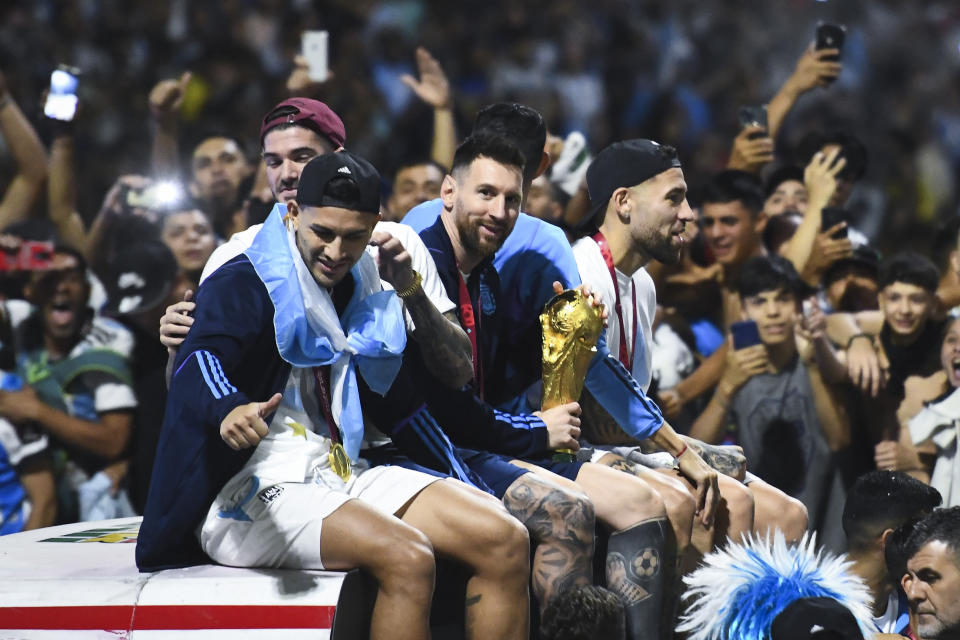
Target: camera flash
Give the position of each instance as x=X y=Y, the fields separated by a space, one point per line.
x=166 y=192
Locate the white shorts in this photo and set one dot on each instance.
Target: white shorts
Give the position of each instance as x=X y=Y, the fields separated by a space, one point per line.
x=280 y=526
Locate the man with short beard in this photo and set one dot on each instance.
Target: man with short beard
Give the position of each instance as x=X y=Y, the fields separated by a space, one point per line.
x=481 y=202
x=783 y=402
x=640 y=205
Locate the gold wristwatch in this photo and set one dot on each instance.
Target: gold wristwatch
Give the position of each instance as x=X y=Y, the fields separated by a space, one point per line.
x=411 y=288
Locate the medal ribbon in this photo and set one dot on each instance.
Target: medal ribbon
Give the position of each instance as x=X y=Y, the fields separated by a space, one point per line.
x=625 y=357
x=471 y=324
x=322 y=376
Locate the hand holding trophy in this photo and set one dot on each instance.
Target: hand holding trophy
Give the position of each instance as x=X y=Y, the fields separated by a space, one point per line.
x=571 y=323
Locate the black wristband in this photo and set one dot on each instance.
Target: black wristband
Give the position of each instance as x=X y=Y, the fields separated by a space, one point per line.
x=859 y=335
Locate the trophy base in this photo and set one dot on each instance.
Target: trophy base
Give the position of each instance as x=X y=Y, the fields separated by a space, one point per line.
x=564 y=455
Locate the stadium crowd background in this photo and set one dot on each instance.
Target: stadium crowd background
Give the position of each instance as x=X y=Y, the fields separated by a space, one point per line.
x=675 y=72
x=613 y=70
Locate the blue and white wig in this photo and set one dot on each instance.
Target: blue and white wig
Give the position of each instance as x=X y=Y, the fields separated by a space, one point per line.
x=738 y=591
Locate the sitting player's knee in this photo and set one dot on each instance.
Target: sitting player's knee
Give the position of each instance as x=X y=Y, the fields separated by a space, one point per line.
x=795 y=519
x=506 y=547
x=739 y=501
x=681 y=508
x=648 y=502
x=538 y=505
x=680 y=504
x=405 y=557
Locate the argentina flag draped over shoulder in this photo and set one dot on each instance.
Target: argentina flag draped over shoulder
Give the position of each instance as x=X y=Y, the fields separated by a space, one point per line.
x=370 y=336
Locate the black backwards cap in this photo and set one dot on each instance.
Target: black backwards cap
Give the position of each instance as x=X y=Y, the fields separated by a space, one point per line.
x=815 y=617
x=321 y=170
x=625 y=164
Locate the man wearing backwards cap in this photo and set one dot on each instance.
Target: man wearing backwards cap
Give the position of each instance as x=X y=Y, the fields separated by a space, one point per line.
x=563 y=551
x=292 y=133
x=301 y=321
x=640 y=208
x=639 y=204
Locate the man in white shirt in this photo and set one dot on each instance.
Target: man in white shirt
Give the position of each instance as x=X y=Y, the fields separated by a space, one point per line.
x=640 y=211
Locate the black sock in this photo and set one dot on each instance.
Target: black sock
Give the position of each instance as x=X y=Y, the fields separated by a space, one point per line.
x=641 y=569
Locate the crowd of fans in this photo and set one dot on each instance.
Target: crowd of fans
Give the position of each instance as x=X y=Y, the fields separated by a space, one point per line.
x=611 y=69
x=811 y=320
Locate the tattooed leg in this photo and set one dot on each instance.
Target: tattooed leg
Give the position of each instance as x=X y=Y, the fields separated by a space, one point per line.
x=641 y=570
x=642 y=553
x=561 y=526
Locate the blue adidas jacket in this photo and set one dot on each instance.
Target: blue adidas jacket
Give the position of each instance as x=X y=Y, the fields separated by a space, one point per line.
x=228 y=359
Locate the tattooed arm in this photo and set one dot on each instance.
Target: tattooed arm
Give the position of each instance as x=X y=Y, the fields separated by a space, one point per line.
x=444 y=345
x=728 y=460
x=599 y=427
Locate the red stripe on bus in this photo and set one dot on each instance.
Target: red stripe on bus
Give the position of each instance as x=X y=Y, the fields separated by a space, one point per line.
x=168 y=617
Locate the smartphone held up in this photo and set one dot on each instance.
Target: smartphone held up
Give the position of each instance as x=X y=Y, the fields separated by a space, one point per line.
x=315 y=49
x=831 y=217
x=753 y=116
x=61 y=103
x=830 y=36
x=745 y=334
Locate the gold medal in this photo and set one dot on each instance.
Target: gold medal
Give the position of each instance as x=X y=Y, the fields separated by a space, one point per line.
x=339 y=461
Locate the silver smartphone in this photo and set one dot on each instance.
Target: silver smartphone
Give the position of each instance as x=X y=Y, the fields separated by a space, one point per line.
x=315 y=50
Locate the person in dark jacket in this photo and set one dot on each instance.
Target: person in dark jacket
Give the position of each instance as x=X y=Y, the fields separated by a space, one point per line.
x=259 y=459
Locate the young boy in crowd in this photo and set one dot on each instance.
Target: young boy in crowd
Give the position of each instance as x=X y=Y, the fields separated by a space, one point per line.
x=907 y=333
x=786 y=417
x=911 y=330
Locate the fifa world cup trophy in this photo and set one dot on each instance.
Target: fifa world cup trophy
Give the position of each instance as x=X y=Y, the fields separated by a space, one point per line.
x=571 y=327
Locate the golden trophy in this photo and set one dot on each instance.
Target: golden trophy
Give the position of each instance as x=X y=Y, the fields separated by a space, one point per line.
x=571 y=327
